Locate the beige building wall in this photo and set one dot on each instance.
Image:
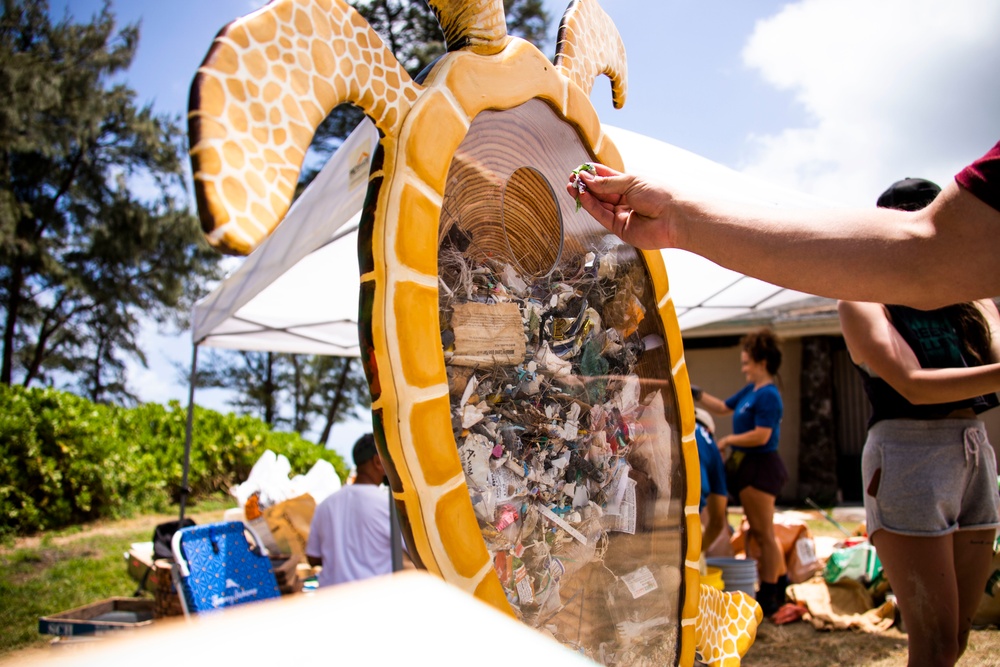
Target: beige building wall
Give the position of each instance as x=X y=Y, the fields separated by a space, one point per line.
x=992 y=421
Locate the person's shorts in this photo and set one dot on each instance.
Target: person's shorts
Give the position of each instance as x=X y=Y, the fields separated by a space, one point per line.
x=929 y=478
x=764 y=471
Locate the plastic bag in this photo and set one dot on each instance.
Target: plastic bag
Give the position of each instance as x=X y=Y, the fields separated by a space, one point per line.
x=319 y=482
x=268 y=480
x=796 y=543
x=859 y=562
x=268 y=483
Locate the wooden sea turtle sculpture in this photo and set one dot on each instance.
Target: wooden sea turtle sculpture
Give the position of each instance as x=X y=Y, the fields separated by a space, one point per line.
x=529 y=391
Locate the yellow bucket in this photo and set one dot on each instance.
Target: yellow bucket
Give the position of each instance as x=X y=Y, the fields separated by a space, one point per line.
x=713 y=577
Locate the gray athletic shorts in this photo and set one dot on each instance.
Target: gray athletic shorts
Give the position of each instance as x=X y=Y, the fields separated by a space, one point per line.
x=929 y=478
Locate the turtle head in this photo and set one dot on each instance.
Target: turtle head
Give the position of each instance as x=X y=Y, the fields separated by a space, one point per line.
x=479 y=26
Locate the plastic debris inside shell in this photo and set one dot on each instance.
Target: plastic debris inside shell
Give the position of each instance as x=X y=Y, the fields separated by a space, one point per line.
x=546 y=409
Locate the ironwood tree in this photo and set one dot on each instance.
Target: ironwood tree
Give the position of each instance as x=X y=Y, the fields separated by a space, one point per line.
x=300 y=391
x=94 y=233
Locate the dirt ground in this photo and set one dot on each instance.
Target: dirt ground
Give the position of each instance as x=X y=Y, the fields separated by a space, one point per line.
x=796 y=644
x=800 y=645
x=792 y=645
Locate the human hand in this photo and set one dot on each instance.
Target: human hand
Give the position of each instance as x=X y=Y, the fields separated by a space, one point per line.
x=626 y=205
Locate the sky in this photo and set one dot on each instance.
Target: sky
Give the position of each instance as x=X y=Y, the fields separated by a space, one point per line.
x=833 y=98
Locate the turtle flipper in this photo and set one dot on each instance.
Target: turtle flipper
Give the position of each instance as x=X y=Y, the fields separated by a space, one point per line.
x=268 y=81
x=726 y=627
x=588 y=45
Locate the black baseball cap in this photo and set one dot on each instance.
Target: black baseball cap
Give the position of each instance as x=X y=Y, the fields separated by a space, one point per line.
x=909 y=194
x=364 y=449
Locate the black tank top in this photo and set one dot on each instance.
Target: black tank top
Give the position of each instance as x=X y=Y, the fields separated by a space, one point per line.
x=932 y=337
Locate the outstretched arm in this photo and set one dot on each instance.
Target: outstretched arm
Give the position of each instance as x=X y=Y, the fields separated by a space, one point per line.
x=873 y=341
x=713 y=404
x=942 y=254
x=758 y=437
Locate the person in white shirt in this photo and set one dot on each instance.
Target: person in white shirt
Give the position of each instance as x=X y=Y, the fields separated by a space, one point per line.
x=350 y=534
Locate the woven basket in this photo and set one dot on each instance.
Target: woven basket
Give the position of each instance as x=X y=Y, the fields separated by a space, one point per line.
x=166 y=601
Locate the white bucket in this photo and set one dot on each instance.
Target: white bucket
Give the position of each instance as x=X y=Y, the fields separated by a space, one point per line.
x=738 y=574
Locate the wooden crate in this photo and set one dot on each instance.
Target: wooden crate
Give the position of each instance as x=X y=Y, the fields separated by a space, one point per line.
x=110 y=615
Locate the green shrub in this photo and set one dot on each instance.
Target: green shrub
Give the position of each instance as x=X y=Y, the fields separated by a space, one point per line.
x=67 y=460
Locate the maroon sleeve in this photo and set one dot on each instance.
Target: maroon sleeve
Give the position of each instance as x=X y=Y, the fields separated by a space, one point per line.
x=982 y=177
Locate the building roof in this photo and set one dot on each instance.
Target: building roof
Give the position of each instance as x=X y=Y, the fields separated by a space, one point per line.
x=812 y=316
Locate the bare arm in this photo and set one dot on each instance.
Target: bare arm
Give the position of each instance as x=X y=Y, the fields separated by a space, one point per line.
x=713 y=404
x=755 y=438
x=874 y=254
x=873 y=341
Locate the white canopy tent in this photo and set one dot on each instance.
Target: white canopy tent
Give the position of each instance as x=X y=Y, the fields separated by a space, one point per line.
x=298 y=291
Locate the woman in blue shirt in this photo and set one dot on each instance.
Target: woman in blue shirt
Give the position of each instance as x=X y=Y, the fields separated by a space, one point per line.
x=756 y=471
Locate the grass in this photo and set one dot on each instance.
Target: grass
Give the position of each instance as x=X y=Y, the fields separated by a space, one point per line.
x=824 y=527
x=40 y=581
x=64 y=569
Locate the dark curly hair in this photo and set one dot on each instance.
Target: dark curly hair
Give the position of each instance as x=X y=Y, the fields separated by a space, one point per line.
x=763 y=345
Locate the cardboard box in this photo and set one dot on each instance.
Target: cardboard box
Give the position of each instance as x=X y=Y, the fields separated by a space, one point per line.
x=139 y=561
x=109 y=615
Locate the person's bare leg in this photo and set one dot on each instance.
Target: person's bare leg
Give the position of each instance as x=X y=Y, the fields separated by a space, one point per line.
x=921 y=571
x=720 y=548
x=759 y=508
x=973 y=554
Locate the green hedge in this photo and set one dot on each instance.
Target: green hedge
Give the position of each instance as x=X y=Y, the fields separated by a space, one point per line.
x=66 y=460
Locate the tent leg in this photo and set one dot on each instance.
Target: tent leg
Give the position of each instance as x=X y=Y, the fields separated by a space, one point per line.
x=395 y=536
x=190 y=426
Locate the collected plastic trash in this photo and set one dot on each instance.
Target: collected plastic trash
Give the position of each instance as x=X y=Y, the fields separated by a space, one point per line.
x=795 y=541
x=859 y=562
x=271 y=502
x=269 y=484
x=558 y=446
x=789 y=613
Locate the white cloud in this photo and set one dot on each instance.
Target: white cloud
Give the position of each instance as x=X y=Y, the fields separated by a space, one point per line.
x=894 y=88
x=161 y=381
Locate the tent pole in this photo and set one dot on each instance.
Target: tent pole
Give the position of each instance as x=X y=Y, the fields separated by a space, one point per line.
x=190 y=426
x=397 y=542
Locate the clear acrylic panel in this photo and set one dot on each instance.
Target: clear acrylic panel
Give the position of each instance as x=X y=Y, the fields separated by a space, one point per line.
x=563 y=406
